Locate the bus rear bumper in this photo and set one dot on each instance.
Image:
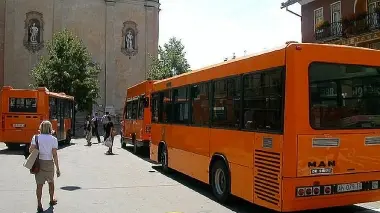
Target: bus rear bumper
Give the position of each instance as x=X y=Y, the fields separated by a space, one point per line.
x=18 y=136
x=370 y=191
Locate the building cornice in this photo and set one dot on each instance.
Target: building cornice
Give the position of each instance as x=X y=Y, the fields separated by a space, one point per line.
x=147 y=3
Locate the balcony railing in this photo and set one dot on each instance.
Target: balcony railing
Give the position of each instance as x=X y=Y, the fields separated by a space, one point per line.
x=347 y=28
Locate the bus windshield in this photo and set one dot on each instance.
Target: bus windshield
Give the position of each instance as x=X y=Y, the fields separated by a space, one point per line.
x=23 y=105
x=344 y=96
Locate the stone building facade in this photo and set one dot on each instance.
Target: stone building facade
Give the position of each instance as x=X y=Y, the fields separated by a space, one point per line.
x=344 y=22
x=120 y=35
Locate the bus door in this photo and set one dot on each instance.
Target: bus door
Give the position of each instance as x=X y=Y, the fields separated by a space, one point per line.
x=61 y=120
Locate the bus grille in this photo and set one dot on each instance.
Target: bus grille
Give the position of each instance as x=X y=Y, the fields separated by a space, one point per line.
x=267 y=178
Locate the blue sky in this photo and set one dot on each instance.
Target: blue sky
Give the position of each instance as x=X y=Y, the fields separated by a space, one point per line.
x=214 y=29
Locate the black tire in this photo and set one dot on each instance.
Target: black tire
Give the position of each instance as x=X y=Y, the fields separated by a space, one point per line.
x=68 y=138
x=12 y=146
x=135 y=148
x=220 y=181
x=122 y=142
x=164 y=159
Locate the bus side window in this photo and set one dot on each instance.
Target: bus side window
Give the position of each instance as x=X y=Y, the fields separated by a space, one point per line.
x=53 y=108
x=134 y=109
x=146 y=102
x=141 y=106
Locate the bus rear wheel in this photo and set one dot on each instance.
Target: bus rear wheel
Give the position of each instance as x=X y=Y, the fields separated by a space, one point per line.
x=220 y=181
x=68 y=138
x=122 y=142
x=12 y=146
x=164 y=159
x=135 y=148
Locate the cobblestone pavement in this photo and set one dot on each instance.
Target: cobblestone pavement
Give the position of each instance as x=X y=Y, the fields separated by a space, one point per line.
x=96 y=183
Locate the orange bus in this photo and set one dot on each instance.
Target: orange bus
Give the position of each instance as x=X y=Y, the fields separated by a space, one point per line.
x=290 y=129
x=137 y=116
x=22 y=111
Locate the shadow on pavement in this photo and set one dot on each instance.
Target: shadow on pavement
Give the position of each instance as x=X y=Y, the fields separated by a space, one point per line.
x=6 y=151
x=242 y=206
x=21 y=150
x=70 y=188
x=143 y=153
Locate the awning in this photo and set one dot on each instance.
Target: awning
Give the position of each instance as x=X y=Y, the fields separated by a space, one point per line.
x=289 y=3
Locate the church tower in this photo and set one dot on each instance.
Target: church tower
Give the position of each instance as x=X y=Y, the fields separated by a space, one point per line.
x=120 y=35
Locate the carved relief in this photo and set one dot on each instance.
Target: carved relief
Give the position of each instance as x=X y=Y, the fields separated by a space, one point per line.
x=129 y=41
x=34 y=27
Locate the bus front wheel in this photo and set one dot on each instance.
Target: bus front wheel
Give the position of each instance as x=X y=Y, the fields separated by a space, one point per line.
x=220 y=182
x=164 y=158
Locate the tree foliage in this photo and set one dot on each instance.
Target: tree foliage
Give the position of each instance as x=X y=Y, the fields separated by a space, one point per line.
x=68 y=68
x=171 y=60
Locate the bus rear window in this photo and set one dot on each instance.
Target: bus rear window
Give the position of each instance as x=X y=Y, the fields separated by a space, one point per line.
x=344 y=96
x=23 y=105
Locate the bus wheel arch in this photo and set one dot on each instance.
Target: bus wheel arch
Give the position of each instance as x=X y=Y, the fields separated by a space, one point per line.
x=163 y=156
x=220 y=177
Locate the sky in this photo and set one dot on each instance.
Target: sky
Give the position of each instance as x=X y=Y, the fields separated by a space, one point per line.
x=212 y=30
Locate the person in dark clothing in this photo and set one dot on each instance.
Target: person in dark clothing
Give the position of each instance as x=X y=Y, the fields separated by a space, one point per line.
x=95 y=123
x=104 y=122
x=109 y=133
x=87 y=128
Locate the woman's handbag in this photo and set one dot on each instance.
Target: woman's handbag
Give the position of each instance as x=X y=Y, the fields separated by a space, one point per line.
x=108 y=142
x=33 y=158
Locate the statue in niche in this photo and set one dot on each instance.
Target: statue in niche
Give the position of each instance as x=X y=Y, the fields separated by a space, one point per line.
x=33 y=33
x=129 y=41
x=129 y=44
x=34 y=28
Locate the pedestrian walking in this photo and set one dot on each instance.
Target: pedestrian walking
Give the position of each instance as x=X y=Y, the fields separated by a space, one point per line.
x=104 y=122
x=88 y=129
x=47 y=146
x=110 y=133
x=95 y=122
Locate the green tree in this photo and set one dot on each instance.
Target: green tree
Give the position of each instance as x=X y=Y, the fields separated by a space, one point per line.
x=68 y=68
x=171 y=60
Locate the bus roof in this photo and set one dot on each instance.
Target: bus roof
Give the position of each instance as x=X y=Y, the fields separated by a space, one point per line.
x=143 y=82
x=276 y=49
x=54 y=94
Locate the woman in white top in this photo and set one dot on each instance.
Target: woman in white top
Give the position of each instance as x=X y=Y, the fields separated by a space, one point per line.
x=47 y=145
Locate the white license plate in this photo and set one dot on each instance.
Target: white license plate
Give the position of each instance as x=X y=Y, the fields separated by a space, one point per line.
x=350 y=187
x=18 y=125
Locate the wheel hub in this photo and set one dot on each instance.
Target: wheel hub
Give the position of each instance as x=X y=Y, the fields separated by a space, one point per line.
x=220 y=181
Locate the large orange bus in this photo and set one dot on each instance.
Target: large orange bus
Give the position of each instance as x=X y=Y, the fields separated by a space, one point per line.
x=22 y=111
x=137 y=116
x=290 y=129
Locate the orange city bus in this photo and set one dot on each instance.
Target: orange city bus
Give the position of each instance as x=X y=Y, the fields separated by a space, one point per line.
x=137 y=116
x=290 y=129
x=22 y=111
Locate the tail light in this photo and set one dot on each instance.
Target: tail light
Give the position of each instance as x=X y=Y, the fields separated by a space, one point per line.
x=327 y=190
x=148 y=129
x=313 y=191
x=3 y=121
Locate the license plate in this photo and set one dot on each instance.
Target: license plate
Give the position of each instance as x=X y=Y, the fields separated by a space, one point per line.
x=18 y=125
x=350 y=187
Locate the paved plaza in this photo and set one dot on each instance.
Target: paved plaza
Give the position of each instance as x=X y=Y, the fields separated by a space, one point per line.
x=96 y=183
